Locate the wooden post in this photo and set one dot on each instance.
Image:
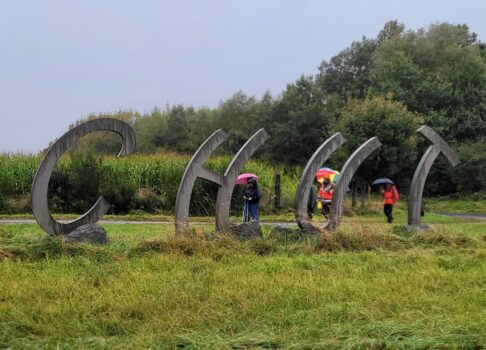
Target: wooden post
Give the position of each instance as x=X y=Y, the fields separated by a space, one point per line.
x=368 y=206
x=277 y=191
x=362 y=195
x=353 y=194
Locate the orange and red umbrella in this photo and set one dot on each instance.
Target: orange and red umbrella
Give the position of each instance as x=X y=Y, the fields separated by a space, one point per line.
x=326 y=173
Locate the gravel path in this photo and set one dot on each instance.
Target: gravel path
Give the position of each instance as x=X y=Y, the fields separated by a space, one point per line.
x=125 y=222
x=281 y=223
x=465 y=215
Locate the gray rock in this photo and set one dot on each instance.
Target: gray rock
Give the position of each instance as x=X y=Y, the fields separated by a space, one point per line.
x=419 y=228
x=247 y=229
x=89 y=233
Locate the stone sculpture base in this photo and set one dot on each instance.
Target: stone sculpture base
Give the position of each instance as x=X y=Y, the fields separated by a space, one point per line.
x=419 y=228
x=249 y=229
x=89 y=233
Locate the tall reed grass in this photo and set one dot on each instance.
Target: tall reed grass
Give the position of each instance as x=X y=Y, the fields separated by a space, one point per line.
x=140 y=181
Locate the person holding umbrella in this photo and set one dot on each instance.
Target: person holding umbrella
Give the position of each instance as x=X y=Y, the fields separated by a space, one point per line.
x=326 y=193
x=251 y=196
x=326 y=176
x=390 y=196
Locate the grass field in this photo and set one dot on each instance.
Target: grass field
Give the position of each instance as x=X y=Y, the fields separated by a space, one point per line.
x=456 y=206
x=370 y=285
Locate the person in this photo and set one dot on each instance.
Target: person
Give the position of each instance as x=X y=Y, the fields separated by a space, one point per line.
x=251 y=203
x=390 y=197
x=311 y=202
x=325 y=193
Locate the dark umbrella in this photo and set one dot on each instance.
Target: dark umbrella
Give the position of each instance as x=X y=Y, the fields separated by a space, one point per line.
x=382 y=181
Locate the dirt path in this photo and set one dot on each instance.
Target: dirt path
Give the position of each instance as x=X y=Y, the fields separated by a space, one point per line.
x=127 y=222
x=465 y=215
x=281 y=223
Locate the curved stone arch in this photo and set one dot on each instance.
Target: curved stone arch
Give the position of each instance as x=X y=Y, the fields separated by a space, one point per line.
x=238 y=162
x=420 y=176
x=346 y=175
x=194 y=170
x=306 y=179
x=40 y=183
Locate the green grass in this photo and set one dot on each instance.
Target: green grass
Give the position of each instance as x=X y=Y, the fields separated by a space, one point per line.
x=369 y=286
x=456 y=205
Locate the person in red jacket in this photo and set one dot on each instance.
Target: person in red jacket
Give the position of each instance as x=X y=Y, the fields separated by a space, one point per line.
x=390 y=197
x=325 y=196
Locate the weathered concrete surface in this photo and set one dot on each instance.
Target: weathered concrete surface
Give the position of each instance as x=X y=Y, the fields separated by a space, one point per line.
x=194 y=170
x=223 y=200
x=249 y=229
x=307 y=178
x=420 y=176
x=40 y=184
x=89 y=233
x=346 y=175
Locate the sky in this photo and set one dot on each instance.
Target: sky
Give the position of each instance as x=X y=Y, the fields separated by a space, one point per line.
x=63 y=60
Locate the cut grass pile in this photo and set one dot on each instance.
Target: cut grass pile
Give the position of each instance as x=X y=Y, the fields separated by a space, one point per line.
x=370 y=285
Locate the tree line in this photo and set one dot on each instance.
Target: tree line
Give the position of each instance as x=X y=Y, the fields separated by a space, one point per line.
x=386 y=86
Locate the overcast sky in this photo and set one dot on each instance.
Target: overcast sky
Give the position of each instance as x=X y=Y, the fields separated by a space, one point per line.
x=62 y=60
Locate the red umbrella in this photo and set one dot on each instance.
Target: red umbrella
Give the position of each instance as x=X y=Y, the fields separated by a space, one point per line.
x=243 y=178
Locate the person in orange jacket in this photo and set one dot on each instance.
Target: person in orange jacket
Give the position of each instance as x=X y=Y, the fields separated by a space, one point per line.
x=325 y=196
x=390 y=197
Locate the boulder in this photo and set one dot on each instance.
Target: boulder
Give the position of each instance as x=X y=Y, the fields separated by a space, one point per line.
x=89 y=233
x=247 y=229
x=419 y=228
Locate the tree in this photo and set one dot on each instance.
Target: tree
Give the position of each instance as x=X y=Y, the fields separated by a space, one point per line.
x=150 y=131
x=240 y=116
x=299 y=122
x=347 y=73
x=391 y=29
x=176 y=136
x=394 y=126
x=439 y=73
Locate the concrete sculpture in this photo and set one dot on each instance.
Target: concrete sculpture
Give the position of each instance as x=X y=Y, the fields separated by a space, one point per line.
x=346 y=175
x=40 y=184
x=194 y=170
x=226 y=182
x=417 y=187
x=307 y=178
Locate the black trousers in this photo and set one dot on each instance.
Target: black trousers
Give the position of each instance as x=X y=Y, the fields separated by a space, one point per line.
x=326 y=208
x=388 y=210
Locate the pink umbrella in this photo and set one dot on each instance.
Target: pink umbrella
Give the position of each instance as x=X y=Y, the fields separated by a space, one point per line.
x=243 y=178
